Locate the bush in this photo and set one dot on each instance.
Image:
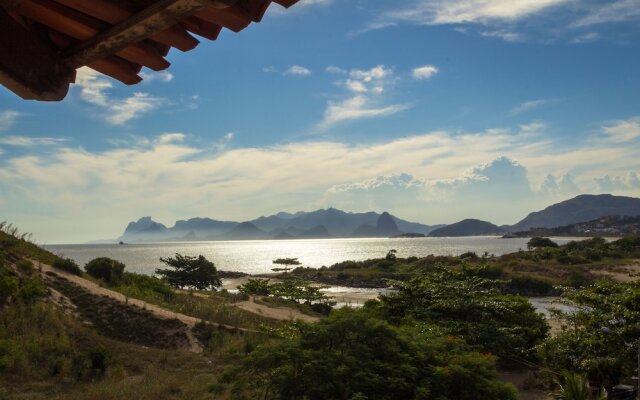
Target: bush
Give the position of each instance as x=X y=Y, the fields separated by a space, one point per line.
x=68 y=265
x=540 y=242
x=106 y=269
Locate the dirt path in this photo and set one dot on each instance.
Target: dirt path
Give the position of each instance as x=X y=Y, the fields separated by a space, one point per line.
x=95 y=289
x=279 y=313
x=622 y=273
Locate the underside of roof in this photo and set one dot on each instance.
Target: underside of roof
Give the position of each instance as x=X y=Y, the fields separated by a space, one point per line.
x=44 y=42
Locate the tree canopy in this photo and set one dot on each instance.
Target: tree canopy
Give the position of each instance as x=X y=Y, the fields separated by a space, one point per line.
x=464 y=303
x=106 y=269
x=354 y=355
x=191 y=272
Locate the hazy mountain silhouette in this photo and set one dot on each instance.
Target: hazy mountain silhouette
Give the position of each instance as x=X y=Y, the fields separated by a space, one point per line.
x=582 y=208
x=468 y=227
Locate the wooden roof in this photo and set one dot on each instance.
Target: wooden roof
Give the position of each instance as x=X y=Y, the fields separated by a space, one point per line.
x=43 y=42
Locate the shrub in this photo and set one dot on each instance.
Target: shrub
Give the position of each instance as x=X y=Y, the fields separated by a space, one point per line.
x=106 y=269
x=540 y=242
x=68 y=265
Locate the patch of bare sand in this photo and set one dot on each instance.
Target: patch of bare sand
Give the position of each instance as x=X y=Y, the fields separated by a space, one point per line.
x=157 y=311
x=279 y=313
x=622 y=273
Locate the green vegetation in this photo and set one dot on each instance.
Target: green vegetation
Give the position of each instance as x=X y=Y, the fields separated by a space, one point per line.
x=354 y=355
x=540 y=242
x=106 y=269
x=576 y=387
x=290 y=289
x=255 y=287
x=68 y=265
x=186 y=271
x=582 y=346
x=535 y=272
x=466 y=304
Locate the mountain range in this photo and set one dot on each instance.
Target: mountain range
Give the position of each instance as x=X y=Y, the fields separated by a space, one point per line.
x=334 y=223
x=319 y=224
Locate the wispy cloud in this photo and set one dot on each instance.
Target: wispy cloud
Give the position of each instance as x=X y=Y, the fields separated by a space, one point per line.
x=623 y=131
x=162 y=76
x=529 y=105
x=586 y=38
x=439 y=12
x=365 y=89
x=507 y=36
x=27 y=141
x=425 y=72
x=174 y=172
x=332 y=69
x=298 y=70
x=612 y=11
x=8 y=118
x=94 y=89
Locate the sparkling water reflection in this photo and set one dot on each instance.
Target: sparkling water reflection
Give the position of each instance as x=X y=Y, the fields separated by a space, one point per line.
x=256 y=256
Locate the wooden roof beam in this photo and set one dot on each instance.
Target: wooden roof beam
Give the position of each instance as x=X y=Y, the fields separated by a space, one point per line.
x=83 y=27
x=157 y=17
x=37 y=74
x=116 y=12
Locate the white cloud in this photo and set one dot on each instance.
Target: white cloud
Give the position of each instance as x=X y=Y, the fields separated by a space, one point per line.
x=430 y=177
x=94 y=89
x=8 y=118
x=612 y=11
x=507 y=36
x=27 y=141
x=298 y=70
x=270 y=69
x=162 y=76
x=528 y=106
x=438 y=12
x=356 y=107
x=586 y=38
x=365 y=88
x=628 y=181
x=425 y=72
x=623 y=131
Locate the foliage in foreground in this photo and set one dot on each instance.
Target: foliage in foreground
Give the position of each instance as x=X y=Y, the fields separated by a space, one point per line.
x=576 y=387
x=105 y=268
x=354 y=355
x=583 y=346
x=466 y=304
x=191 y=272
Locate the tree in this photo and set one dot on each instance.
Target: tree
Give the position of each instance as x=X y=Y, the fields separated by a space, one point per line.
x=106 y=269
x=540 y=242
x=258 y=287
x=353 y=355
x=466 y=304
x=582 y=346
x=192 y=272
x=286 y=262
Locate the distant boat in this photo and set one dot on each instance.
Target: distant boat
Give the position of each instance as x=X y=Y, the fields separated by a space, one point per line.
x=121 y=243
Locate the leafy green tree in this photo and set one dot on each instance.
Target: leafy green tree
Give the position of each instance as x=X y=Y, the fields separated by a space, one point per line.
x=105 y=268
x=258 y=287
x=540 y=242
x=582 y=346
x=464 y=303
x=191 y=272
x=287 y=262
x=352 y=355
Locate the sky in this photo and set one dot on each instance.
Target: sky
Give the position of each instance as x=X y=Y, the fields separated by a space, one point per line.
x=433 y=110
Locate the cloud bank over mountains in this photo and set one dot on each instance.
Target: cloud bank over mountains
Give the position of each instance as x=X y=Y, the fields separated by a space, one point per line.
x=436 y=177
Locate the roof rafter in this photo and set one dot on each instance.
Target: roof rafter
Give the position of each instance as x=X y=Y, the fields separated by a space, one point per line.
x=155 y=18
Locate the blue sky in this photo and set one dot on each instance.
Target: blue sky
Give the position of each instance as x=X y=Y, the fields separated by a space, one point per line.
x=433 y=110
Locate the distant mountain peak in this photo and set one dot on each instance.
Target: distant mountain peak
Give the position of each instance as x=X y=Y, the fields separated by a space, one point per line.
x=582 y=208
